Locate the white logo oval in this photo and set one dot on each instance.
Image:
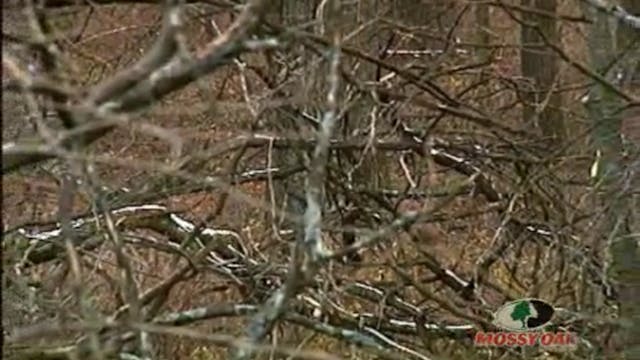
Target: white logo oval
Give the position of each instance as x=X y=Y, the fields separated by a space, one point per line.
x=523 y=315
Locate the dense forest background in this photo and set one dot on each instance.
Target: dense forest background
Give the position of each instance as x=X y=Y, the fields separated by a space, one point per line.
x=362 y=179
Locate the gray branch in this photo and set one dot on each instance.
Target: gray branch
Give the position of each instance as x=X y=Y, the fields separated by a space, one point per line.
x=616 y=11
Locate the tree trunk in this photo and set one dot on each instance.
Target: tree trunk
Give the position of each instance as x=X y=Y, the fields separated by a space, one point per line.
x=483 y=20
x=539 y=65
x=282 y=121
x=613 y=180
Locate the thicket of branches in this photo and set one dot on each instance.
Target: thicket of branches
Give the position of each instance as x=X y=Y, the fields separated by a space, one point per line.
x=317 y=179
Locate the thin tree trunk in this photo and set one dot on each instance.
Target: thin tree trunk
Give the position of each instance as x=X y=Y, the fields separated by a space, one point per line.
x=483 y=20
x=292 y=13
x=539 y=64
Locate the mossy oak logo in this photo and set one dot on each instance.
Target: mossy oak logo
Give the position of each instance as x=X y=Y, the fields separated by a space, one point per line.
x=524 y=322
x=523 y=315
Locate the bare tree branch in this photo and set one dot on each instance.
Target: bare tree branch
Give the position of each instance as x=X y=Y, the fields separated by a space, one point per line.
x=616 y=11
x=173 y=76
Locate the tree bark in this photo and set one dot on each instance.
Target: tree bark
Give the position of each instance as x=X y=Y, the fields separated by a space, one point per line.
x=613 y=179
x=483 y=20
x=283 y=121
x=539 y=64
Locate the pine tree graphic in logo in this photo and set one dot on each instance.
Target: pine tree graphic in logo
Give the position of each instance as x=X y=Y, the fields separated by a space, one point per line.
x=521 y=312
